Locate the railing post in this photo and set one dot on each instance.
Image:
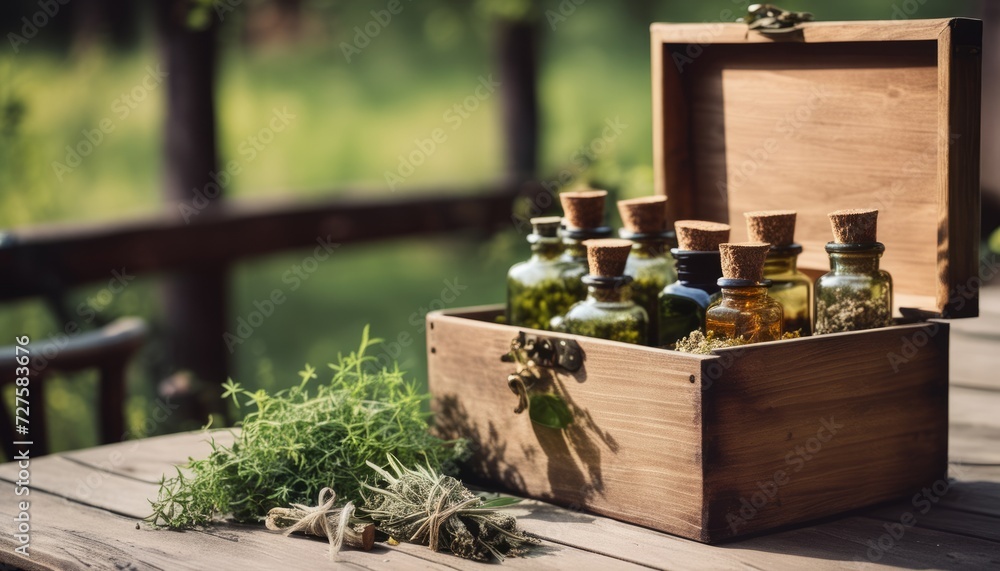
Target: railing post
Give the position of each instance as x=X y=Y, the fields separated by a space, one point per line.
x=195 y=300
x=518 y=63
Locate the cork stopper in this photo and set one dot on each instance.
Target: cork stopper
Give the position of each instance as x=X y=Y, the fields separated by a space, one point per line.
x=546 y=226
x=583 y=208
x=646 y=215
x=607 y=256
x=775 y=227
x=699 y=235
x=744 y=260
x=855 y=226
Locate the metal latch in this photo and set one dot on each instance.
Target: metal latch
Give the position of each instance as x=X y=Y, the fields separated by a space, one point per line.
x=549 y=352
x=768 y=19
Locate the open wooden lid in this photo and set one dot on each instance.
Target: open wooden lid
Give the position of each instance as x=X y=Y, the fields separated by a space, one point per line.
x=831 y=116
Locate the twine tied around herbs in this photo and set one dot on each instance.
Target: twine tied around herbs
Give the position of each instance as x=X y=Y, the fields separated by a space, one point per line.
x=324 y=520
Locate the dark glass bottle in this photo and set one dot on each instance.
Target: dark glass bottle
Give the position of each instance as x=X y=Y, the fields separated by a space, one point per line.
x=855 y=294
x=682 y=304
x=790 y=287
x=652 y=269
x=536 y=288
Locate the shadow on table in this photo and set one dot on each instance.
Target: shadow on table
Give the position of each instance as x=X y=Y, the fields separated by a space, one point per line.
x=959 y=529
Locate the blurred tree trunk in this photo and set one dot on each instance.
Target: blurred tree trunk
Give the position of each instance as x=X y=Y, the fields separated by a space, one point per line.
x=112 y=20
x=990 y=170
x=517 y=52
x=195 y=300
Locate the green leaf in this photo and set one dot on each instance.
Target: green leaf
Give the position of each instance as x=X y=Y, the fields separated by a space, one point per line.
x=995 y=241
x=500 y=502
x=550 y=411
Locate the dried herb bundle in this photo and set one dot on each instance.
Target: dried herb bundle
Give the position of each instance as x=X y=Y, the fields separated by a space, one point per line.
x=298 y=441
x=422 y=506
x=338 y=525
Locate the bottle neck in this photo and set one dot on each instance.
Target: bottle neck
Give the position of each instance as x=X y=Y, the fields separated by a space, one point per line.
x=745 y=295
x=857 y=260
x=649 y=249
x=573 y=239
x=780 y=263
x=700 y=270
x=608 y=293
x=545 y=249
x=574 y=249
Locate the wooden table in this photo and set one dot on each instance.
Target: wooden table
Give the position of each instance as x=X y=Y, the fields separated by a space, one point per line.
x=85 y=506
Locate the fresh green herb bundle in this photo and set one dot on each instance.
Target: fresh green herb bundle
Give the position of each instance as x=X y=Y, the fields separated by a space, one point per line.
x=298 y=441
x=422 y=506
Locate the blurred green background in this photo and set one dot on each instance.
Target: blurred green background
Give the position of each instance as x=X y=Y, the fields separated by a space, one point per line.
x=352 y=121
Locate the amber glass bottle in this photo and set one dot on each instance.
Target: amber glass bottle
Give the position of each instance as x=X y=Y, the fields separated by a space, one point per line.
x=744 y=311
x=536 y=290
x=789 y=287
x=856 y=294
x=682 y=304
x=608 y=311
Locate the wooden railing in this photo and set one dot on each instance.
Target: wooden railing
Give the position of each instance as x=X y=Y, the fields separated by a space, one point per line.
x=193 y=258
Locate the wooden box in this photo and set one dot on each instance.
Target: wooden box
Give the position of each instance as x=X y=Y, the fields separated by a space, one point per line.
x=833 y=115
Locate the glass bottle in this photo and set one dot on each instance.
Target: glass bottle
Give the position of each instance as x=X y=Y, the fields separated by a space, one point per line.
x=744 y=310
x=855 y=294
x=651 y=270
x=608 y=312
x=584 y=220
x=574 y=257
x=682 y=304
x=790 y=287
x=536 y=288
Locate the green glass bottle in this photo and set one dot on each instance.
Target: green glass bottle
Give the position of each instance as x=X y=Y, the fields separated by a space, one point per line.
x=682 y=304
x=856 y=294
x=745 y=311
x=584 y=220
x=649 y=264
x=536 y=288
x=789 y=286
x=608 y=311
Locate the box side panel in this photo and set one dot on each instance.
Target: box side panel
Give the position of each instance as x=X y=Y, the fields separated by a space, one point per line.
x=804 y=429
x=960 y=52
x=633 y=451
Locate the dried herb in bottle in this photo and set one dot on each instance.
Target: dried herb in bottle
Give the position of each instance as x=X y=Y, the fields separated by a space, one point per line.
x=536 y=289
x=608 y=312
x=789 y=287
x=682 y=304
x=856 y=294
x=649 y=265
x=744 y=311
x=584 y=220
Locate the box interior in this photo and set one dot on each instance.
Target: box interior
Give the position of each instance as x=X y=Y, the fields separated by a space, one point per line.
x=814 y=127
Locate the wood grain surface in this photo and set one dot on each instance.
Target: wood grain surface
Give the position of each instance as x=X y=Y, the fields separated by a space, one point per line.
x=842 y=115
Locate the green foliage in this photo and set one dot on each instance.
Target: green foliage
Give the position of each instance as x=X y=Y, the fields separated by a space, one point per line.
x=995 y=241
x=294 y=443
x=549 y=410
